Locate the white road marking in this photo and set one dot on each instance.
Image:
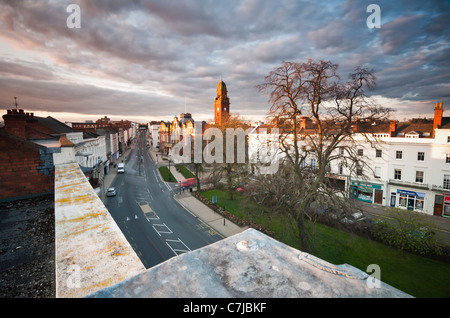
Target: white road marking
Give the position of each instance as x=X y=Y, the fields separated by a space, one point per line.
x=178 y=246
x=163 y=229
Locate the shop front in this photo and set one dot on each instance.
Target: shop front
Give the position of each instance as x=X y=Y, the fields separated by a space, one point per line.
x=407 y=199
x=367 y=192
x=442 y=205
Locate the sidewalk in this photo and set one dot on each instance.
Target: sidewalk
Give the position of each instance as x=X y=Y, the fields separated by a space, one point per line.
x=158 y=159
x=223 y=226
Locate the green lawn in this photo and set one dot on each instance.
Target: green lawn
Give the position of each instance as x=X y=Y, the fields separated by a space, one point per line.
x=165 y=174
x=185 y=171
x=415 y=275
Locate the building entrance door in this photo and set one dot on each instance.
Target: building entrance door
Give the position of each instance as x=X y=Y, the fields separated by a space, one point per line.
x=378 y=196
x=438 y=202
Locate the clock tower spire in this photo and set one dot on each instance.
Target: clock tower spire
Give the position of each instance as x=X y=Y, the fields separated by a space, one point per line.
x=221 y=104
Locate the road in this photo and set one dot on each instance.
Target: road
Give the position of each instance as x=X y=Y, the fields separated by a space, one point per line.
x=153 y=222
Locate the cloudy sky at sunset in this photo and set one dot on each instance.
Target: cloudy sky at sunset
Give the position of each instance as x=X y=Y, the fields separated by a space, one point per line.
x=147 y=60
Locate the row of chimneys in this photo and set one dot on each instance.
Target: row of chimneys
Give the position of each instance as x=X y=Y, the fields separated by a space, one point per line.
x=437 y=120
x=19 y=112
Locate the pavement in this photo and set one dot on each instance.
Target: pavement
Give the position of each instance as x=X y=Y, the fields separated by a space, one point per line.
x=216 y=221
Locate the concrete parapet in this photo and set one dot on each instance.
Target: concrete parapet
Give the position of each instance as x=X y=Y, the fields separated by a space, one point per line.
x=91 y=251
x=249 y=264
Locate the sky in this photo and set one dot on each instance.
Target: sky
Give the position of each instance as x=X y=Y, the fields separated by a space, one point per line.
x=153 y=60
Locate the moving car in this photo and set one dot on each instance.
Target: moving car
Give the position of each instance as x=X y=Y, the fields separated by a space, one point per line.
x=111 y=192
x=121 y=168
x=188 y=183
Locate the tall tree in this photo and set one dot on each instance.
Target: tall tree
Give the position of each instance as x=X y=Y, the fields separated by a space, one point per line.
x=317 y=114
x=235 y=164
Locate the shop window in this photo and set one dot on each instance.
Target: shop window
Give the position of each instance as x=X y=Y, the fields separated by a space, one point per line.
x=446 y=210
x=398 y=174
x=402 y=200
x=419 y=176
x=446 y=183
x=398 y=154
x=419 y=203
x=421 y=156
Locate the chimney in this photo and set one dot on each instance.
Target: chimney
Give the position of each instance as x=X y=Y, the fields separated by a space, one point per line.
x=437 y=121
x=15 y=122
x=392 y=128
x=305 y=123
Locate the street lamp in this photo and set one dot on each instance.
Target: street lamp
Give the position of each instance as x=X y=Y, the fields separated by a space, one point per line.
x=169 y=170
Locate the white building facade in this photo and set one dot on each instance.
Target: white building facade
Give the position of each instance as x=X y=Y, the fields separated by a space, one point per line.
x=406 y=165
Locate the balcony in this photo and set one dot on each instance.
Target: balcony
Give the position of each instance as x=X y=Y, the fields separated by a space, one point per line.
x=418 y=185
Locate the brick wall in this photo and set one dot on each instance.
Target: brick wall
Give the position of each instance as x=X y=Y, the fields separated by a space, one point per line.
x=25 y=168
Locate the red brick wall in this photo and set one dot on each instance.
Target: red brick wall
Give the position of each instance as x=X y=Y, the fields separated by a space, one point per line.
x=19 y=173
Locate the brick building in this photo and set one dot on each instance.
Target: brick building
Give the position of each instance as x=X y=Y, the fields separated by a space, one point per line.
x=27 y=144
x=26 y=168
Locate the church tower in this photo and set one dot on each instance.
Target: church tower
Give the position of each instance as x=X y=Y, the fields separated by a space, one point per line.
x=221 y=104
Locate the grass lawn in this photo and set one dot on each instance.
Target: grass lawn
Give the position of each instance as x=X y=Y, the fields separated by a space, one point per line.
x=413 y=274
x=185 y=171
x=165 y=174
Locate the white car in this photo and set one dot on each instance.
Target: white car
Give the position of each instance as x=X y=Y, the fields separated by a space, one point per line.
x=111 y=192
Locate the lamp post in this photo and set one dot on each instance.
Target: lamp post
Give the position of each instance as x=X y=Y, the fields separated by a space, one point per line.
x=169 y=170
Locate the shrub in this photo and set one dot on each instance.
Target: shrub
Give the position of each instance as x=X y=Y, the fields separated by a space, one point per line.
x=408 y=230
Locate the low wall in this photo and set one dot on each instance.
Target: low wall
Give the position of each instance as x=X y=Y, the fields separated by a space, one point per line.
x=91 y=251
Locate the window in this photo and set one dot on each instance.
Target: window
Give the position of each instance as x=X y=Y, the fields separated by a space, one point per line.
x=360 y=152
x=446 y=181
x=398 y=154
x=447 y=158
x=419 y=176
x=378 y=153
x=313 y=163
x=359 y=170
x=341 y=151
x=398 y=174
x=377 y=172
x=421 y=156
x=341 y=168
x=448 y=139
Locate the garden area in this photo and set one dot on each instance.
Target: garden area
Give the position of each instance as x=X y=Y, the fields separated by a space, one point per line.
x=416 y=275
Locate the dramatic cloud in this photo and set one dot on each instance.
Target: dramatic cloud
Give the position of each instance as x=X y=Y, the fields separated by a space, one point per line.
x=153 y=59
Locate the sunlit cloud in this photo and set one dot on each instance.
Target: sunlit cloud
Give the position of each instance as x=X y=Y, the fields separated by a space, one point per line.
x=142 y=59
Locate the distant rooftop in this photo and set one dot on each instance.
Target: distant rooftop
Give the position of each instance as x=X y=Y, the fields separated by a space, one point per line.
x=249 y=264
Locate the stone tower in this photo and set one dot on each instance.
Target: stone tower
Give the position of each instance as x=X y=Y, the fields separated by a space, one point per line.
x=437 y=121
x=221 y=104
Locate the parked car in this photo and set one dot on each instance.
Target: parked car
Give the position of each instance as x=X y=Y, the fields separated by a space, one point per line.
x=120 y=168
x=111 y=192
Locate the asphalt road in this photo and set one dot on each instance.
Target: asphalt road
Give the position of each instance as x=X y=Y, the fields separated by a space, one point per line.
x=153 y=222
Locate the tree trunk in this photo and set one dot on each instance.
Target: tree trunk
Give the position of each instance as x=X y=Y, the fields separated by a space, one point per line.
x=302 y=234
